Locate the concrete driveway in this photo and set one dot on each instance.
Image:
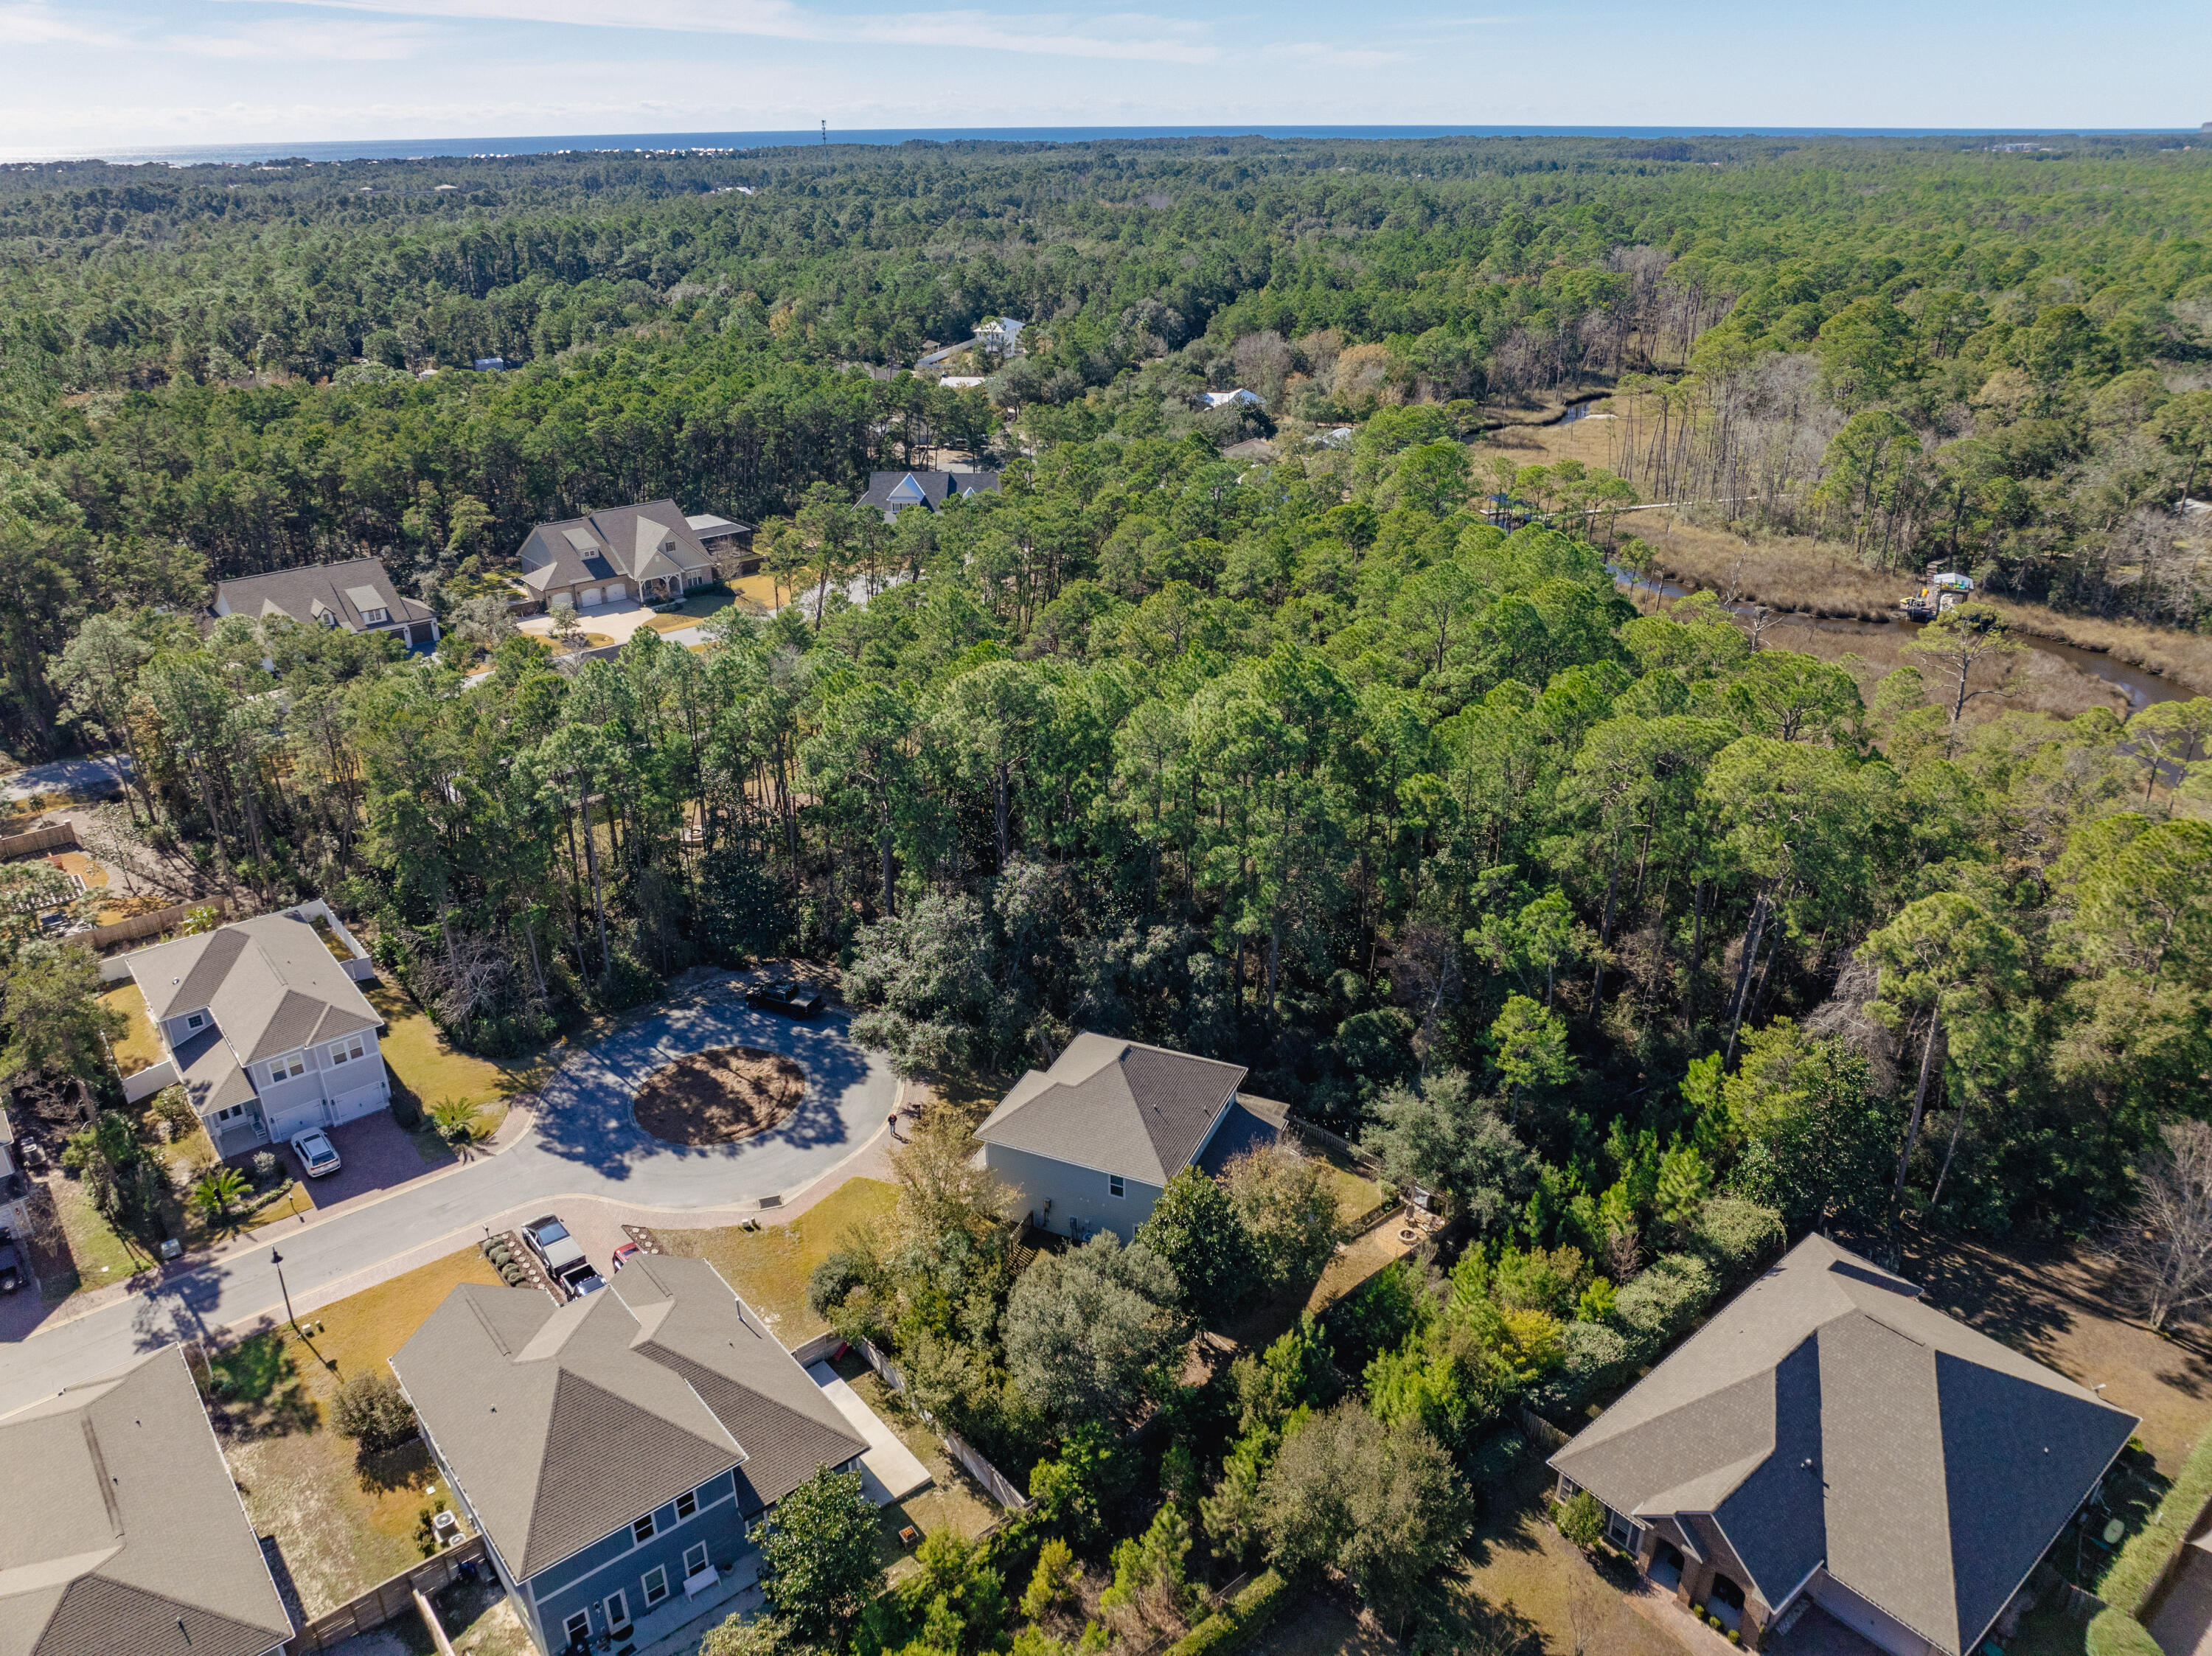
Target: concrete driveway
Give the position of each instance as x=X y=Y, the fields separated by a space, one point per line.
x=584 y=1144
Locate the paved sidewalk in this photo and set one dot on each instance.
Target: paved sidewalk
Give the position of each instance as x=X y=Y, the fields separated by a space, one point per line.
x=522 y=1113
x=583 y=1150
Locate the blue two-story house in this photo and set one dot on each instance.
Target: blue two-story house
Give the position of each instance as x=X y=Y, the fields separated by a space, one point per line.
x=616 y=1452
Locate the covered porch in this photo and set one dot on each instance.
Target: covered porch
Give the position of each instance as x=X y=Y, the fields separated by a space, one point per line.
x=675 y=1625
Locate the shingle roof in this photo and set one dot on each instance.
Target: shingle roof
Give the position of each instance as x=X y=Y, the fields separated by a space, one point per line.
x=1115 y=1106
x=1827 y=1415
x=128 y=1533
x=562 y=1423
x=615 y=541
x=930 y=488
x=270 y=981
x=340 y=590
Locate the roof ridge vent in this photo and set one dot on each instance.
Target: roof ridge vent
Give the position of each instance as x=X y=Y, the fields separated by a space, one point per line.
x=498 y=1340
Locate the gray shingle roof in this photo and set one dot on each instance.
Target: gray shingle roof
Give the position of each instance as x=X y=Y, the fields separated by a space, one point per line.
x=615 y=541
x=270 y=981
x=1827 y=1415
x=930 y=488
x=342 y=592
x=128 y=1534
x=562 y=1423
x=1115 y=1106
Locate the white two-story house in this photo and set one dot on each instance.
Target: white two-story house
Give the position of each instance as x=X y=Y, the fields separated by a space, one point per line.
x=265 y=1027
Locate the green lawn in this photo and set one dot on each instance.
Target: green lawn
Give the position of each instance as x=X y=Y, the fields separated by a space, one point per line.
x=423 y=1063
x=768 y=1267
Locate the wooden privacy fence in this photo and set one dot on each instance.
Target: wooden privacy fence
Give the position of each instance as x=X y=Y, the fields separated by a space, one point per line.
x=146 y=925
x=971 y=1461
x=1540 y=1430
x=388 y=1600
x=38 y=840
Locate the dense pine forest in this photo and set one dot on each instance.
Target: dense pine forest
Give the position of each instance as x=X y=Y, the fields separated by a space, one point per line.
x=1319 y=731
x=1301 y=759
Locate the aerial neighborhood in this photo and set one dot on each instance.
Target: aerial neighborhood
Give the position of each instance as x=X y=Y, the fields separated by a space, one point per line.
x=1466 y=909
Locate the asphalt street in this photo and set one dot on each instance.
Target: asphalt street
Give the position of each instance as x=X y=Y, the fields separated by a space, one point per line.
x=585 y=1143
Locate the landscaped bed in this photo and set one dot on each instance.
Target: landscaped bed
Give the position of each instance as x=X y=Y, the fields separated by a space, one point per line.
x=720 y=1097
x=343 y=1523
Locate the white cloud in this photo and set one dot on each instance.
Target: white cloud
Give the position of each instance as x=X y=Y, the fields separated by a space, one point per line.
x=292 y=41
x=1127 y=35
x=41 y=26
x=1336 y=57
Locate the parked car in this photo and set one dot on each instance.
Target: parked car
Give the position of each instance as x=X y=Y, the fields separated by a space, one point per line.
x=11 y=1263
x=579 y=1279
x=549 y=1240
x=625 y=1253
x=786 y=995
x=316 y=1152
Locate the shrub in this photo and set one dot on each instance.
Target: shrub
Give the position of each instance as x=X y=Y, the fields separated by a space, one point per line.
x=1248 y=1614
x=371 y=1410
x=406 y=1109
x=1596 y=1356
x=833 y=1280
x=1580 y=1519
x=2127 y=1583
x=1734 y=1235
x=265 y=1167
x=2113 y=1632
x=1662 y=1303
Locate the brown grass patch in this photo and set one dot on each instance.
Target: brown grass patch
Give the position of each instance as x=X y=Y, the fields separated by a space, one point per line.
x=343 y=1523
x=720 y=1097
x=2060 y=1306
x=768 y=1267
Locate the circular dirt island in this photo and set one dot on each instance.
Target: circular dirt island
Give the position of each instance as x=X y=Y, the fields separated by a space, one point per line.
x=720 y=1097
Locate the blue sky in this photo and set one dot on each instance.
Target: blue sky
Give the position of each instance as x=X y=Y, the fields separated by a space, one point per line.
x=86 y=76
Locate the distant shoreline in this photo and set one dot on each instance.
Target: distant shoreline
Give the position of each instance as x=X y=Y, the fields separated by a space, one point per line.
x=352 y=149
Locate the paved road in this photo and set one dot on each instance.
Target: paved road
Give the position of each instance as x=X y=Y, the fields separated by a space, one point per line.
x=585 y=1143
x=86 y=778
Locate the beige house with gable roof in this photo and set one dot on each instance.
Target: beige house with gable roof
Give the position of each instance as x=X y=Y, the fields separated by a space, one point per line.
x=651 y=552
x=265 y=1027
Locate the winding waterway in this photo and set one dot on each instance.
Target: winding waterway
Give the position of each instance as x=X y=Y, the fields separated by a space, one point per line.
x=2140 y=685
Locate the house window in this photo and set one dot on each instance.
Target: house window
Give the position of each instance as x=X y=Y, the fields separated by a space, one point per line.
x=695 y=1560
x=376 y=617
x=197 y=1020
x=687 y=1503
x=643 y=1529
x=1115 y=1186
x=617 y=1606
x=228 y=1112
x=346 y=1050
x=578 y=1628
x=285 y=1068
x=656 y=1585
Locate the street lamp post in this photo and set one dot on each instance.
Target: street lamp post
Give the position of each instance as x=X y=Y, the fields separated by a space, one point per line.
x=278 y=1260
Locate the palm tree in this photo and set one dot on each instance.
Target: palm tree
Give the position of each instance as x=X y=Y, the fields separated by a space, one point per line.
x=218 y=1192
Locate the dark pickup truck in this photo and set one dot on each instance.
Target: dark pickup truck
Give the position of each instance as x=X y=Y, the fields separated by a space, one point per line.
x=796 y=999
x=11 y=1265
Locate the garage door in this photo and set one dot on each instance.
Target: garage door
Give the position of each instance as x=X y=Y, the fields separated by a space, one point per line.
x=589 y=598
x=615 y=591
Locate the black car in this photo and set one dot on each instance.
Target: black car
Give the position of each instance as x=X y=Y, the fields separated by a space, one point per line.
x=786 y=995
x=11 y=1265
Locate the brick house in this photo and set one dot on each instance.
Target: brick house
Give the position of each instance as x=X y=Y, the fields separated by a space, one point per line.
x=1828 y=1438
